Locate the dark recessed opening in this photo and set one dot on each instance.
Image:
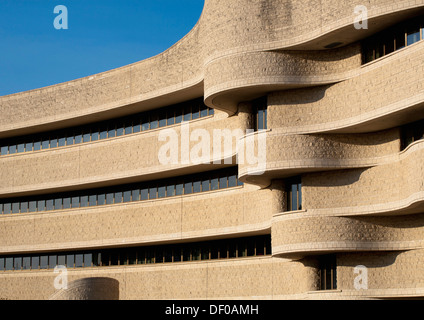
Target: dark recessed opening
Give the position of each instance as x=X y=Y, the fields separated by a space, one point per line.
x=333 y=45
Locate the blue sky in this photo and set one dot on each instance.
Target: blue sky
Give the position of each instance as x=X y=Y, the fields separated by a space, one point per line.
x=101 y=35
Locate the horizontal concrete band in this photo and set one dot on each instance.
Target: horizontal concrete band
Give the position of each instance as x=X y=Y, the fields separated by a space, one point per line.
x=298 y=236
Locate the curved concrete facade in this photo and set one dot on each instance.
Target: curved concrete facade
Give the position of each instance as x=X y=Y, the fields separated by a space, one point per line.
x=334 y=125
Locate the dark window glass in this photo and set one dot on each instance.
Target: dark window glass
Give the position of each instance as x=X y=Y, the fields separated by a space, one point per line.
x=101 y=199
x=26 y=263
x=52 y=261
x=260 y=119
x=389 y=44
x=120 y=128
x=195 y=112
x=131 y=256
x=186 y=253
x=214 y=183
x=150 y=256
x=144 y=194
x=12 y=149
x=195 y=253
x=24 y=207
x=70 y=260
x=41 y=205
x=328 y=272
x=197 y=186
x=54 y=142
x=105 y=259
x=232 y=181
x=145 y=124
x=37 y=145
x=92 y=200
x=15 y=207
x=223 y=182
x=84 y=201
x=137 y=125
x=33 y=206
x=88 y=260
x=170 y=190
x=86 y=137
x=70 y=140
x=35 y=262
x=28 y=146
x=58 y=203
x=61 y=260
x=203 y=110
x=21 y=147
x=154 y=121
x=79 y=260
x=179 y=188
x=7 y=208
x=66 y=203
x=103 y=132
x=114 y=258
x=171 y=116
x=178 y=115
x=97 y=258
x=205 y=185
x=400 y=40
x=118 y=197
x=135 y=194
x=95 y=134
x=188 y=187
x=232 y=250
x=141 y=258
x=109 y=198
x=112 y=131
x=162 y=118
x=5 y=150
x=177 y=254
x=9 y=263
x=153 y=193
x=187 y=113
x=50 y=204
x=75 y=202
x=127 y=196
x=413 y=36
x=44 y=262
x=17 y=263
x=78 y=137
x=161 y=191
x=61 y=142
x=128 y=127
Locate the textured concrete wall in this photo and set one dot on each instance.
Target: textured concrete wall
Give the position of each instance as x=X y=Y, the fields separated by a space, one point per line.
x=89 y=289
x=387 y=187
x=304 y=234
x=386 y=87
x=258 y=278
x=120 y=158
x=213 y=213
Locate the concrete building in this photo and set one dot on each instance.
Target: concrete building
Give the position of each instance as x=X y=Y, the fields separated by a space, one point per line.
x=331 y=209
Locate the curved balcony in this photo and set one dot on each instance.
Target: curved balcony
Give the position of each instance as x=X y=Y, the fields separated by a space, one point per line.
x=394 y=188
x=288 y=155
x=296 y=236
